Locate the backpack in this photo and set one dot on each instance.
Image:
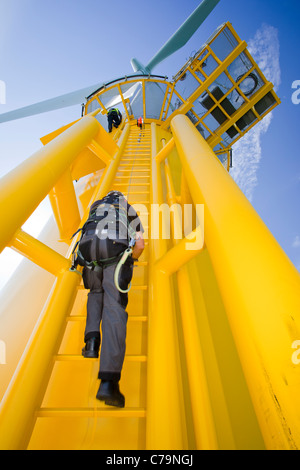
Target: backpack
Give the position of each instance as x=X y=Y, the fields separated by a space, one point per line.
x=108 y=219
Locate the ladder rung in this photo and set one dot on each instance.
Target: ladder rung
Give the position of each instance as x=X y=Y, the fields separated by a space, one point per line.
x=136 y=192
x=99 y=412
x=135 y=184
x=137 y=155
x=142 y=148
x=131 y=318
x=136 y=159
x=137 y=164
x=132 y=170
x=138 y=318
x=81 y=286
x=79 y=357
x=127 y=177
x=139 y=202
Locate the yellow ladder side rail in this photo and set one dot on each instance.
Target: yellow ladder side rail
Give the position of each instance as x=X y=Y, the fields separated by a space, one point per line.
x=260 y=288
x=109 y=174
x=25 y=392
x=166 y=427
x=204 y=425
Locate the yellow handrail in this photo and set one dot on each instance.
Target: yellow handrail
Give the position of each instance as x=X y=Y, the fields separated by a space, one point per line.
x=204 y=426
x=26 y=186
x=259 y=285
x=166 y=426
x=25 y=392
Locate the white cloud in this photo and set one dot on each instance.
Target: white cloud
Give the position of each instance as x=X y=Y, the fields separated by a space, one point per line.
x=296 y=242
x=265 y=49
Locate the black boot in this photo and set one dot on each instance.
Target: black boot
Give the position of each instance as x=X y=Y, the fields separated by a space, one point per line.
x=109 y=393
x=91 y=349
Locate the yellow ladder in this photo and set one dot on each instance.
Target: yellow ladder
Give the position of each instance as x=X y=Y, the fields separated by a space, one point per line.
x=70 y=416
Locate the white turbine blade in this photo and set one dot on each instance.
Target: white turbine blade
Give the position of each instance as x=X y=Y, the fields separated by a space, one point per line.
x=117 y=99
x=183 y=34
x=63 y=101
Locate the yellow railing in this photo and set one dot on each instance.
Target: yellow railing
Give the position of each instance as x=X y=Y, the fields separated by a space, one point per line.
x=166 y=421
x=260 y=289
x=21 y=192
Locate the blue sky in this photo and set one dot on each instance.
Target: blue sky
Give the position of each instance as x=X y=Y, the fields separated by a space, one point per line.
x=51 y=47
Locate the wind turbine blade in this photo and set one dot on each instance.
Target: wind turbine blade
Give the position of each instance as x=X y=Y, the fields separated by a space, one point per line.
x=184 y=33
x=63 y=101
x=138 y=66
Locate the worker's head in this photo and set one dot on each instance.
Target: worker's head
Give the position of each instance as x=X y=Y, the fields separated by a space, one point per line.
x=116 y=193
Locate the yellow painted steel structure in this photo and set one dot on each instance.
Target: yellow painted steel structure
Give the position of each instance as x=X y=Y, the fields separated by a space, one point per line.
x=214 y=307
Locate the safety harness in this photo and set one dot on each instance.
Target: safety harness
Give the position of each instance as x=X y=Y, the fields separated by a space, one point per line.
x=114 y=209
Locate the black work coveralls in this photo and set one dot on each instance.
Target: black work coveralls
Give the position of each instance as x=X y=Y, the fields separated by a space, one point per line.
x=105 y=303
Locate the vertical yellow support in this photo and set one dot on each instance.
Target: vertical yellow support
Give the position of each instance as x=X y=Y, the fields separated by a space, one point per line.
x=64 y=205
x=259 y=285
x=23 y=396
x=165 y=425
x=204 y=426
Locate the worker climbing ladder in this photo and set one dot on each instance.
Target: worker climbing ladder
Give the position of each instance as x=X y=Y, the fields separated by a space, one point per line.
x=72 y=388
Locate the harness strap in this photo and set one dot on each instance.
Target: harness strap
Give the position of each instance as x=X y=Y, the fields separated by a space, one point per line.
x=94 y=265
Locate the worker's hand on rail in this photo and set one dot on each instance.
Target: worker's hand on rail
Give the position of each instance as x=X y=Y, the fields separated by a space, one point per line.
x=139 y=246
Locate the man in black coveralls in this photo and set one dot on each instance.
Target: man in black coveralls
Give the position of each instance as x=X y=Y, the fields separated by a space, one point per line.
x=114 y=117
x=105 y=244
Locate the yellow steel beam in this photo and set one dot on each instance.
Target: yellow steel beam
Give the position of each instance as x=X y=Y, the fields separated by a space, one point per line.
x=26 y=186
x=39 y=253
x=164 y=152
x=260 y=288
x=185 y=250
x=165 y=427
x=204 y=426
x=99 y=151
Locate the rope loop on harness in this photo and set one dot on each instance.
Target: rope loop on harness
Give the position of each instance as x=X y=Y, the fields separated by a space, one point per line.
x=126 y=254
